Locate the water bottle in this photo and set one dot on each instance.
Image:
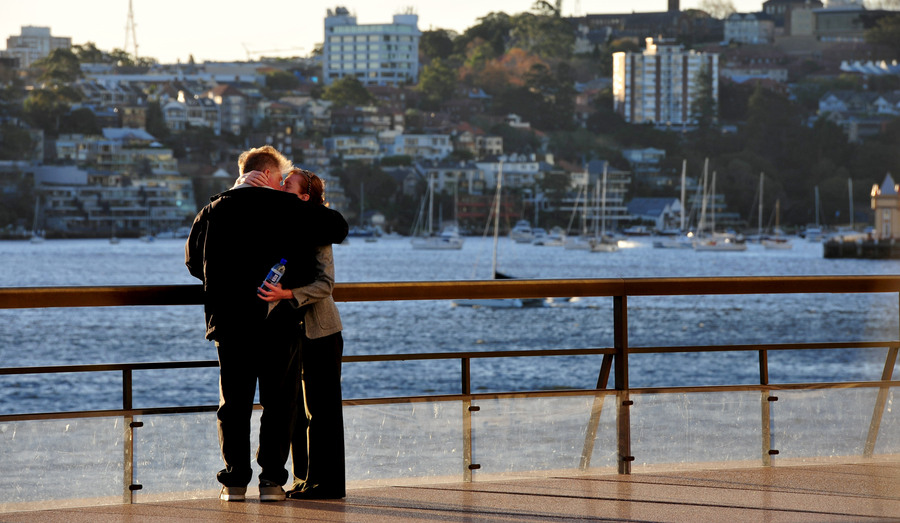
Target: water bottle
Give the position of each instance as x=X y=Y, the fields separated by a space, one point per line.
x=276 y=273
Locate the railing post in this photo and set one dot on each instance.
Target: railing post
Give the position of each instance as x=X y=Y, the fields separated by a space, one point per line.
x=596 y=410
x=128 y=444
x=623 y=406
x=765 y=411
x=880 y=402
x=467 y=420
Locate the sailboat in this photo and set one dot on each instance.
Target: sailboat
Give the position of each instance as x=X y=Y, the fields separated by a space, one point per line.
x=361 y=230
x=581 y=242
x=601 y=242
x=495 y=274
x=680 y=240
x=713 y=241
x=814 y=233
x=36 y=235
x=777 y=241
x=449 y=237
x=113 y=239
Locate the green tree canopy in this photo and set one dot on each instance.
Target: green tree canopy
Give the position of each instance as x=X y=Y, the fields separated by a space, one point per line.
x=348 y=91
x=281 y=81
x=436 y=44
x=886 y=33
x=437 y=83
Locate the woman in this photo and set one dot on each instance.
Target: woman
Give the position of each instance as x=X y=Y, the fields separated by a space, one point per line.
x=317 y=444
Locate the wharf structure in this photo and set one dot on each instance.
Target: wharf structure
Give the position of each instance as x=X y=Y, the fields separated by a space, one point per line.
x=827 y=451
x=882 y=242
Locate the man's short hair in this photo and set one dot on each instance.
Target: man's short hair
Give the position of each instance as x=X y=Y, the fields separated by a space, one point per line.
x=262 y=158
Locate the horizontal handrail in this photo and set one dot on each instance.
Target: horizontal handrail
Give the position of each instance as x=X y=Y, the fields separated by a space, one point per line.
x=42 y=297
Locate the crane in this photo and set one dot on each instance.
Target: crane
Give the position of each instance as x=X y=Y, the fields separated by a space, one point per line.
x=250 y=53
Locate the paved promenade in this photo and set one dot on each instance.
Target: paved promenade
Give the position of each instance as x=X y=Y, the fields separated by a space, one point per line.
x=820 y=493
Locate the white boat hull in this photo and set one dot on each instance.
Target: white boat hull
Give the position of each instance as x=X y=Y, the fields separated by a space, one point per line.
x=437 y=243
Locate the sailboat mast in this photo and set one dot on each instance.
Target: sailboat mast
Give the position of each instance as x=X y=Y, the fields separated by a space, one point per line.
x=683 y=175
x=430 y=202
x=712 y=205
x=759 y=226
x=850 y=193
x=496 y=221
x=603 y=203
x=702 y=224
x=817 y=206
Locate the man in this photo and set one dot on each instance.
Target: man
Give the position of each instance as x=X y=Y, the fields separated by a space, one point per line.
x=233 y=243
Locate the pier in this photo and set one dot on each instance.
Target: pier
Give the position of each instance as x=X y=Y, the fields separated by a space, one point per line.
x=825 y=451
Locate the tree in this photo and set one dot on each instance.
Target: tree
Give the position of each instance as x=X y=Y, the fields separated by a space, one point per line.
x=886 y=33
x=80 y=121
x=156 y=122
x=437 y=83
x=89 y=54
x=547 y=36
x=720 y=9
x=704 y=105
x=281 y=81
x=436 y=44
x=60 y=67
x=493 y=29
x=348 y=91
x=15 y=142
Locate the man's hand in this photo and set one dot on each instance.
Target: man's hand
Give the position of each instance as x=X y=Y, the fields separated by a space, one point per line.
x=254 y=178
x=270 y=293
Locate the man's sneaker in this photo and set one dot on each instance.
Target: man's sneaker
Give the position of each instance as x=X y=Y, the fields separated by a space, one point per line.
x=233 y=494
x=270 y=491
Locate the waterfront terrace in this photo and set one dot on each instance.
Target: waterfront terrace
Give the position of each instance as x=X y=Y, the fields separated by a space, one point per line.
x=825 y=451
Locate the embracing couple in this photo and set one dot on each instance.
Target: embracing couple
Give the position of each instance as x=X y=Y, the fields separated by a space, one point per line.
x=285 y=337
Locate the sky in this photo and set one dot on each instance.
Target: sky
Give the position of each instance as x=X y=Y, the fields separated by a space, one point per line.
x=172 y=31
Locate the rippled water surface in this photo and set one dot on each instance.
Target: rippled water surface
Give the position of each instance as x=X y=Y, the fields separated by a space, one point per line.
x=138 y=334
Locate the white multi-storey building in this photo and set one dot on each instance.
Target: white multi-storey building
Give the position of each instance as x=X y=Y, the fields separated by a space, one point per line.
x=749 y=28
x=660 y=84
x=33 y=44
x=376 y=54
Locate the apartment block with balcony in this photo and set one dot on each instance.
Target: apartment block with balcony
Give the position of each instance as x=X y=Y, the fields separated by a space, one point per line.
x=420 y=146
x=362 y=148
x=375 y=54
x=660 y=84
x=33 y=44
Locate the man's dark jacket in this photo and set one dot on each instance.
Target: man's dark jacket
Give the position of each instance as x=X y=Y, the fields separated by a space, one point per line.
x=239 y=236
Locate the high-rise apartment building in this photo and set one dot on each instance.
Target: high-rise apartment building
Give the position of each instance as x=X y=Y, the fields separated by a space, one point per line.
x=376 y=54
x=660 y=84
x=33 y=44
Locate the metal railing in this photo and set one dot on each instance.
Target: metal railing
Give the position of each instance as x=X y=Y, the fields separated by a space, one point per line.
x=615 y=358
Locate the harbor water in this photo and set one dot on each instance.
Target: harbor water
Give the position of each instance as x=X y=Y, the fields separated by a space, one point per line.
x=65 y=336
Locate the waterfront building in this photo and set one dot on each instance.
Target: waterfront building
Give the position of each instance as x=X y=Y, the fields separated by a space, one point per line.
x=520 y=171
x=76 y=202
x=475 y=140
x=33 y=44
x=375 y=54
x=659 y=84
x=664 y=213
x=419 y=146
x=449 y=176
x=363 y=148
x=886 y=205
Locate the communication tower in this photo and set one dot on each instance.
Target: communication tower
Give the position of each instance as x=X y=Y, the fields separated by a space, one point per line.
x=130 y=33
